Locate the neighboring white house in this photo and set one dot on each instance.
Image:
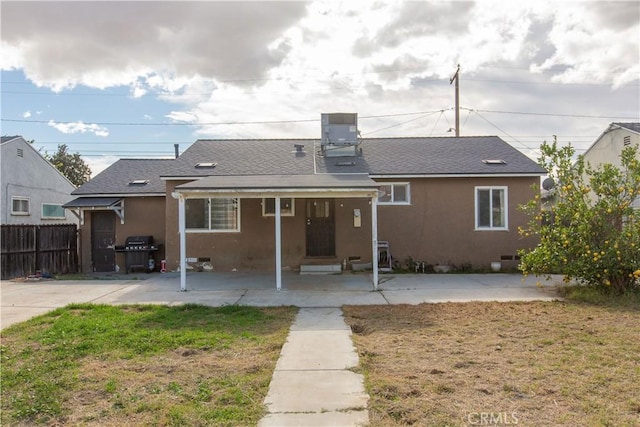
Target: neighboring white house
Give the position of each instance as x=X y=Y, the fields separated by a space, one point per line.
x=33 y=190
x=608 y=147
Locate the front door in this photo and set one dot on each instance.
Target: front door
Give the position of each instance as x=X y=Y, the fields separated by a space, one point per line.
x=321 y=228
x=103 y=239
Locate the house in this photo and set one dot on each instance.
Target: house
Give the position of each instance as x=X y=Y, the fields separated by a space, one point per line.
x=274 y=204
x=609 y=145
x=33 y=190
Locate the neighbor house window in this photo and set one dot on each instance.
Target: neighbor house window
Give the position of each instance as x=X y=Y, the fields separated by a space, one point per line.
x=286 y=207
x=51 y=211
x=19 y=206
x=491 y=208
x=215 y=214
x=394 y=194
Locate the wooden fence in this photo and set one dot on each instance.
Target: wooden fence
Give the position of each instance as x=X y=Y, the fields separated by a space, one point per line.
x=27 y=249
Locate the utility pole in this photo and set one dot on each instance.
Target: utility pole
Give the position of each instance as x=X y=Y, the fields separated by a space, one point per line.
x=456 y=77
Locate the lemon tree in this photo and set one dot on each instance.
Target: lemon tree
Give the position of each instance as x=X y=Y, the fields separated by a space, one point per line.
x=588 y=229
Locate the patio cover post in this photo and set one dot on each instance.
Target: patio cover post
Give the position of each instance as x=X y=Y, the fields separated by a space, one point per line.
x=374 y=239
x=183 y=243
x=278 y=245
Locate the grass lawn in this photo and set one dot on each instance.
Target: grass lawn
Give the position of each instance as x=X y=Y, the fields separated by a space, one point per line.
x=141 y=365
x=537 y=363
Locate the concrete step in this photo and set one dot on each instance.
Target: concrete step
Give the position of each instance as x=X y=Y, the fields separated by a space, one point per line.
x=320 y=269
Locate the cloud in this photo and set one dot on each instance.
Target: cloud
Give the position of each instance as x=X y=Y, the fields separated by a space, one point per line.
x=79 y=127
x=595 y=44
x=102 y=44
x=26 y=114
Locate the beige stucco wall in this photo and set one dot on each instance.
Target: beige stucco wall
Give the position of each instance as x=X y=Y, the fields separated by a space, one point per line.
x=439 y=225
x=608 y=147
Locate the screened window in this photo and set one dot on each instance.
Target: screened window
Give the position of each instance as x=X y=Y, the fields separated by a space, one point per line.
x=19 y=206
x=394 y=194
x=491 y=208
x=212 y=214
x=51 y=211
x=287 y=207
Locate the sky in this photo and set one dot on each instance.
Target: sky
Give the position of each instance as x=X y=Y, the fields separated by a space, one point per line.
x=123 y=79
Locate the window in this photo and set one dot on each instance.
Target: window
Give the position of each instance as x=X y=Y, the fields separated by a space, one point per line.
x=19 y=206
x=212 y=214
x=287 y=207
x=491 y=208
x=50 y=211
x=394 y=194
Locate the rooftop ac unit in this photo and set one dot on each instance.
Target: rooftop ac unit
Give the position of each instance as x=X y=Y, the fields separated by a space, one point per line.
x=339 y=134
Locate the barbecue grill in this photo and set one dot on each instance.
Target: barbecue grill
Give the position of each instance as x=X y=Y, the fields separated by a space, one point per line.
x=137 y=251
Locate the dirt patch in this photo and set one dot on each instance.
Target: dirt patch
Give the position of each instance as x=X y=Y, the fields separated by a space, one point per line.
x=539 y=363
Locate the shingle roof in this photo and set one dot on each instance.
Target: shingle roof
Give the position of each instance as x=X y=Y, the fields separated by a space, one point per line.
x=116 y=178
x=635 y=127
x=8 y=138
x=245 y=157
x=435 y=156
x=380 y=156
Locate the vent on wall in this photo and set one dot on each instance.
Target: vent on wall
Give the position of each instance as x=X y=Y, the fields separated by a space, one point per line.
x=627 y=140
x=20 y=152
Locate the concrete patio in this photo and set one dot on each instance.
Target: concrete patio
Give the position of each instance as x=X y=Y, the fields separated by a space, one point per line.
x=23 y=300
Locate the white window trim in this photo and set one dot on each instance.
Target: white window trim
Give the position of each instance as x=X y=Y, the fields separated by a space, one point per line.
x=19 y=213
x=203 y=230
x=506 y=208
x=51 y=217
x=392 y=202
x=282 y=213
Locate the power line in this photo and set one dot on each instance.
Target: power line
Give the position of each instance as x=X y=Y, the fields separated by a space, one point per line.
x=582 y=116
x=317 y=120
x=260 y=122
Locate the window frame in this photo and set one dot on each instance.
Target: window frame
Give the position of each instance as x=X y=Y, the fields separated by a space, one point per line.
x=24 y=199
x=505 y=208
x=407 y=186
x=43 y=216
x=283 y=212
x=209 y=229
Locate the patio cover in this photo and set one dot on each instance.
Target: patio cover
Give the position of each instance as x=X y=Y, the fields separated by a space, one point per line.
x=297 y=186
x=79 y=205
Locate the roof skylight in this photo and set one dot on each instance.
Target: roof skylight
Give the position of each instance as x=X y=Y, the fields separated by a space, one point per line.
x=494 y=162
x=139 y=182
x=206 y=165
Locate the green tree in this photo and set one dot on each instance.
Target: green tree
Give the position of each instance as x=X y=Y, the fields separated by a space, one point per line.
x=591 y=231
x=70 y=165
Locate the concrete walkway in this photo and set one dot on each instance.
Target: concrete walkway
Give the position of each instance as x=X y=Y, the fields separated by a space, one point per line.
x=312 y=384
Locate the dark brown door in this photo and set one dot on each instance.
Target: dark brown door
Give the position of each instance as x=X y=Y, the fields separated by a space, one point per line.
x=321 y=228
x=103 y=239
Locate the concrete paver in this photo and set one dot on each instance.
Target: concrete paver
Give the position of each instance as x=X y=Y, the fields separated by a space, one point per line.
x=312 y=382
